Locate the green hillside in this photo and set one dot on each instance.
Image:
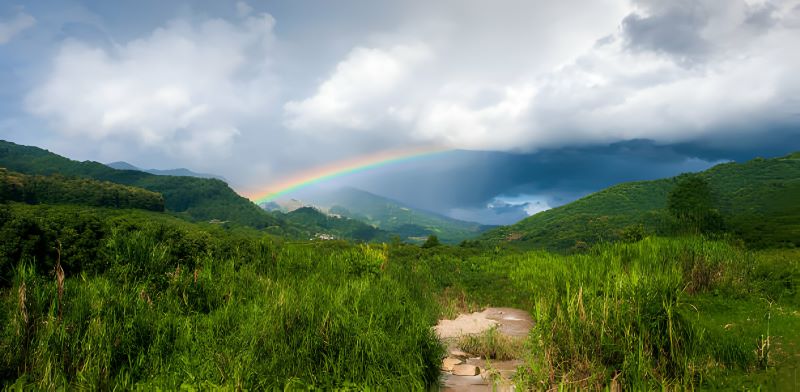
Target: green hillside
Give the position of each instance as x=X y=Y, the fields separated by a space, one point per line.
x=314 y=224
x=57 y=189
x=758 y=201
x=408 y=223
x=199 y=199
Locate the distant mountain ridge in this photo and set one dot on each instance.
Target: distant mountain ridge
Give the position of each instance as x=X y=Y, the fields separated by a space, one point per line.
x=179 y=172
x=406 y=222
x=759 y=201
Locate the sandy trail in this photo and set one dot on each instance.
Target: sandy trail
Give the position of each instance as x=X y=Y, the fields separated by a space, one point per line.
x=509 y=321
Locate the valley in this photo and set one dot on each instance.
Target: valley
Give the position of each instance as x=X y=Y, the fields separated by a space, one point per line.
x=126 y=280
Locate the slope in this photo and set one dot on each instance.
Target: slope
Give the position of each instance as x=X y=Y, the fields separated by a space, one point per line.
x=314 y=224
x=191 y=197
x=56 y=189
x=758 y=201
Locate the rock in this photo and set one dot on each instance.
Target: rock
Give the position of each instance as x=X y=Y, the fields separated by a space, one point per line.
x=466 y=370
x=449 y=362
x=459 y=354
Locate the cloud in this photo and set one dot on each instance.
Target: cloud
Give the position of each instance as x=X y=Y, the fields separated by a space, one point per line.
x=10 y=28
x=185 y=88
x=675 y=29
x=502 y=210
x=243 y=9
x=355 y=95
x=672 y=72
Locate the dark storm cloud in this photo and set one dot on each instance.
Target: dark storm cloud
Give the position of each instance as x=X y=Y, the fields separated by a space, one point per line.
x=470 y=180
x=674 y=29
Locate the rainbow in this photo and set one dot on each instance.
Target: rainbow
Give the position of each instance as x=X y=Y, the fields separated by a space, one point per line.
x=341 y=168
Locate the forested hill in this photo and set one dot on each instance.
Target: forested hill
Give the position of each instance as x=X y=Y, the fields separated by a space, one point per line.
x=757 y=201
x=57 y=189
x=310 y=223
x=196 y=198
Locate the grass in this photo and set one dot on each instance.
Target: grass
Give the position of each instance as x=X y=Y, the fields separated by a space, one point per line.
x=176 y=305
x=633 y=314
x=272 y=317
x=491 y=344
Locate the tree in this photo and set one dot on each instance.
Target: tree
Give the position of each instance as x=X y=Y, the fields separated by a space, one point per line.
x=633 y=233
x=691 y=203
x=432 y=241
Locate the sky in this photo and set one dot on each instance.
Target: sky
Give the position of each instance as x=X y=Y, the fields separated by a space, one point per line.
x=539 y=102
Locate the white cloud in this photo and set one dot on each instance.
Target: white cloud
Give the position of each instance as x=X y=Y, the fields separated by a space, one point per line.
x=358 y=93
x=185 y=88
x=10 y=28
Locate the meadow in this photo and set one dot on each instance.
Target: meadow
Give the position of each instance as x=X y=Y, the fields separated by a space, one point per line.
x=162 y=303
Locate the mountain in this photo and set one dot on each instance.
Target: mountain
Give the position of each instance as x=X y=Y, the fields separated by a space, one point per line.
x=315 y=224
x=121 y=165
x=284 y=205
x=759 y=202
x=396 y=218
x=199 y=199
x=180 y=172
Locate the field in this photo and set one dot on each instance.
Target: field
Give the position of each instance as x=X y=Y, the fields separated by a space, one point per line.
x=169 y=304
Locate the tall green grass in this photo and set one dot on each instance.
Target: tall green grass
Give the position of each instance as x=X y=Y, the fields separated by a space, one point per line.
x=628 y=314
x=168 y=306
x=269 y=316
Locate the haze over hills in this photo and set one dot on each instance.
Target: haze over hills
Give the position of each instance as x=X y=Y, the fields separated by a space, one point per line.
x=408 y=223
x=181 y=172
x=758 y=200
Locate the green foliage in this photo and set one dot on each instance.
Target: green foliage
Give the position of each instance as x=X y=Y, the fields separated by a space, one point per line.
x=633 y=233
x=634 y=315
x=57 y=189
x=151 y=301
x=171 y=305
x=313 y=223
x=492 y=344
x=431 y=242
x=690 y=202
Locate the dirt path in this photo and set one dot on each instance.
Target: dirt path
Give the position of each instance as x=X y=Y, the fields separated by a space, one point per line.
x=462 y=371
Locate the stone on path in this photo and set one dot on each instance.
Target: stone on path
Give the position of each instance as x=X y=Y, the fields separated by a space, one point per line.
x=458 y=353
x=449 y=362
x=466 y=370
